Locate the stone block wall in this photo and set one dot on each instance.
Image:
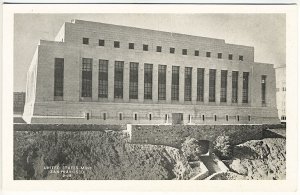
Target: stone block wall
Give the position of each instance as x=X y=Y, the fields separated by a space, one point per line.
x=174 y=135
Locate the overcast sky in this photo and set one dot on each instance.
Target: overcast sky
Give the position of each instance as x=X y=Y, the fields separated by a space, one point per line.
x=266 y=32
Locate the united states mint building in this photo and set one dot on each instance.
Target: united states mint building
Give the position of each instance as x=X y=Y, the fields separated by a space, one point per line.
x=108 y=74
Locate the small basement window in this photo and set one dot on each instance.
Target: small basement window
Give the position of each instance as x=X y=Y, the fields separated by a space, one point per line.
x=120 y=116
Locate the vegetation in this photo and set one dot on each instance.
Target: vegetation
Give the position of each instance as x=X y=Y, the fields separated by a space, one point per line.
x=192 y=149
x=222 y=147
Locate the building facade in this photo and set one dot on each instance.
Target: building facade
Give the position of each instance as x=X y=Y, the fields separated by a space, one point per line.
x=108 y=74
x=281 y=92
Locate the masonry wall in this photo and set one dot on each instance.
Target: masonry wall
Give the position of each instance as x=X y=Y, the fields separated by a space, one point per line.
x=174 y=135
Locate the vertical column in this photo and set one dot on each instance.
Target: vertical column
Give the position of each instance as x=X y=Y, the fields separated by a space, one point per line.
x=218 y=86
x=95 y=79
x=240 y=88
x=194 y=85
x=206 y=85
x=181 y=84
x=126 y=82
x=229 y=87
x=155 y=83
x=168 y=83
x=111 y=81
x=141 y=83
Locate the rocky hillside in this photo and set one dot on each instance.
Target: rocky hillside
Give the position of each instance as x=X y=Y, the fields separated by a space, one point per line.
x=258 y=159
x=93 y=155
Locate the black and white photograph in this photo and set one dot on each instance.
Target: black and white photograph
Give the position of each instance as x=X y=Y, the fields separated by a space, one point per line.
x=150 y=96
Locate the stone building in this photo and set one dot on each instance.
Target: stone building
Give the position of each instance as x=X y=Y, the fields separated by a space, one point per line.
x=109 y=74
x=281 y=92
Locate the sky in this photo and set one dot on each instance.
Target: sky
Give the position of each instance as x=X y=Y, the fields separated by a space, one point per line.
x=265 y=32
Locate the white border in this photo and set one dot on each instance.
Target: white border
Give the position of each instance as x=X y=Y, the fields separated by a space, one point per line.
x=140 y=185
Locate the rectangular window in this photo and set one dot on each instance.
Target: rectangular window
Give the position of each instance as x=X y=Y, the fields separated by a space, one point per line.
x=133 y=80
x=103 y=79
x=59 y=77
x=87 y=64
x=148 y=81
x=120 y=116
x=184 y=52
x=118 y=85
x=196 y=52
x=104 y=116
x=135 y=116
x=208 y=54
x=212 y=85
x=235 y=79
x=188 y=84
x=223 y=95
x=226 y=117
x=241 y=58
x=230 y=56
x=145 y=47
x=200 y=84
x=172 y=50
x=131 y=45
x=101 y=42
x=116 y=44
x=245 y=86
x=220 y=55
x=175 y=83
x=162 y=71
x=158 y=48
x=263 y=89
x=85 y=41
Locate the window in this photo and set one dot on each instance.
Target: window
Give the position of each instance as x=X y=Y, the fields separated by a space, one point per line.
x=245 y=87
x=196 y=52
x=86 y=90
x=116 y=44
x=133 y=80
x=85 y=41
x=145 y=47
x=203 y=117
x=103 y=79
x=212 y=85
x=200 y=84
x=175 y=83
x=131 y=45
x=148 y=81
x=238 y=118
x=263 y=89
x=208 y=54
x=59 y=77
x=241 y=58
x=215 y=116
x=230 y=56
x=120 y=116
x=166 y=118
x=190 y=118
x=223 y=95
x=150 y=117
x=188 y=84
x=101 y=42
x=226 y=117
x=104 y=116
x=172 y=50
x=158 y=48
x=135 y=116
x=162 y=70
x=184 y=52
x=118 y=85
x=249 y=118
x=235 y=77
x=220 y=55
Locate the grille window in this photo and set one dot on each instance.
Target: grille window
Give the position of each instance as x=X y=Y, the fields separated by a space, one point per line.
x=101 y=42
x=118 y=85
x=145 y=47
x=208 y=54
x=172 y=50
x=235 y=77
x=85 y=41
x=103 y=79
x=200 y=84
x=220 y=55
x=184 y=52
x=158 y=48
x=230 y=57
x=148 y=81
x=162 y=70
x=241 y=58
x=188 y=84
x=131 y=45
x=245 y=86
x=263 y=89
x=212 y=85
x=116 y=44
x=223 y=94
x=196 y=52
x=175 y=83
x=133 y=80
x=59 y=77
x=86 y=90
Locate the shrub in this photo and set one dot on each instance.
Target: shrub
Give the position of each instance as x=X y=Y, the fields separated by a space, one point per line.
x=192 y=149
x=222 y=147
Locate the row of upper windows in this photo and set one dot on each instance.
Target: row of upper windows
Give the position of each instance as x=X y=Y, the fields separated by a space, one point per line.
x=85 y=41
